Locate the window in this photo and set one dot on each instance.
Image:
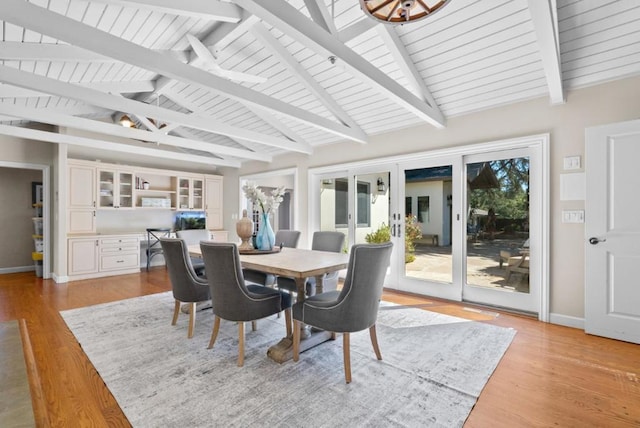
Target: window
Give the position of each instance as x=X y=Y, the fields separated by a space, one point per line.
x=423 y=209
x=363 y=204
x=408 y=209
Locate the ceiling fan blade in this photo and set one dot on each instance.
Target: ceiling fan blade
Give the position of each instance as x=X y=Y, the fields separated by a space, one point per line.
x=212 y=64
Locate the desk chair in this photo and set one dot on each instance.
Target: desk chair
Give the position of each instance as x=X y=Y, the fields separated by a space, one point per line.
x=322 y=241
x=153 y=242
x=352 y=309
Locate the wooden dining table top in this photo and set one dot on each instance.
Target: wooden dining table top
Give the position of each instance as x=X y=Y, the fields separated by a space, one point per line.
x=291 y=262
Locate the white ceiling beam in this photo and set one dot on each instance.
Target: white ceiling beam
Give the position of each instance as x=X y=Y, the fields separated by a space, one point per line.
x=284 y=129
x=24 y=51
x=52 y=137
x=265 y=36
x=45 y=116
x=201 y=9
x=403 y=59
x=320 y=15
x=10 y=91
x=354 y=30
x=283 y=143
x=55 y=25
x=545 y=22
x=289 y=20
x=118 y=103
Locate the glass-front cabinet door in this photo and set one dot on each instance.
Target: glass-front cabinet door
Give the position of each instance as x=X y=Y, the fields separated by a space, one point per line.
x=115 y=189
x=190 y=194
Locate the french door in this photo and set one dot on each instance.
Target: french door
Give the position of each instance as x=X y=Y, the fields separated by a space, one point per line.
x=467 y=225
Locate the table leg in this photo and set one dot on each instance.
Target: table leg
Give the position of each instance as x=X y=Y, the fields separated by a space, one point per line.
x=283 y=350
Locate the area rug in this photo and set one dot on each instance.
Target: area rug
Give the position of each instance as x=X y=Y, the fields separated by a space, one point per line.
x=433 y=369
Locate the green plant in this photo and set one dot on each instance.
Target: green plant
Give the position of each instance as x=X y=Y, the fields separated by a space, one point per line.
x=411 y=233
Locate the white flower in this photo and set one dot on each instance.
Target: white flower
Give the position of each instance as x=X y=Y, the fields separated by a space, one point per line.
x=257 y=197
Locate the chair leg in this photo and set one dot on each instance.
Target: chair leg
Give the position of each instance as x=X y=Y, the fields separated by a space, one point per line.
x=214 y=332
x=254 y=325
x=347 y=357
x=192 y=319
x=374 y=341
x=287 y=320
x=176 y=311
x=240 y=343
x=296 y=340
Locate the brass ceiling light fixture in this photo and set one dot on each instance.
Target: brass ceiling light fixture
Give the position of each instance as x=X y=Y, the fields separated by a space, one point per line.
x=401 y=11
x=126 y=121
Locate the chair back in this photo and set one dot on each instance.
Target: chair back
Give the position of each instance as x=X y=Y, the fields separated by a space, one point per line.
x=230 y=297
x=186 y=285
x=154 y=235
x=288 y=238
x=359 y=298
x=194 y=236
x=328 y=241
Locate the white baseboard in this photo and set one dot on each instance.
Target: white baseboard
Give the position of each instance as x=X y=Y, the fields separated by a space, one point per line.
x=17 y=269
x=567 y=321
x=59 y=279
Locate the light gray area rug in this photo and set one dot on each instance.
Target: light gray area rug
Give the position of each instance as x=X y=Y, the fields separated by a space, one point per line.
x=433 y=369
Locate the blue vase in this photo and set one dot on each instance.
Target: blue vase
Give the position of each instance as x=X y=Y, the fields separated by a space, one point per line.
x=265 y=239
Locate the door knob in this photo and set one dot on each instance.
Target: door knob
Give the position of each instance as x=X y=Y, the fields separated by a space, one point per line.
x=594 y=241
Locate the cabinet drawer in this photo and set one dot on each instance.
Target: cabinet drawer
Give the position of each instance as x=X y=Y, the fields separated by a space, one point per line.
x=119 y=261
x=118 y=241
x=120 y=249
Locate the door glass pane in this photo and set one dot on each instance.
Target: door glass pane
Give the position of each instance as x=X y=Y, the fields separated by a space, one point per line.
x=427 y=230
x=498 y=224
x=372 y=208
x=334 y=205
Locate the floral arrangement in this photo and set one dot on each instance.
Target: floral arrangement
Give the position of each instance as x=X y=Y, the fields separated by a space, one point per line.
x=258 y=197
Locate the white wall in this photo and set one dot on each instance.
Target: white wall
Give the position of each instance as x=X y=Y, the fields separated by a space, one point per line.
x=607 y=103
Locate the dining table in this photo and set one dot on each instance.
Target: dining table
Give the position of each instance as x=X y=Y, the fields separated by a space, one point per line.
x=299 y=264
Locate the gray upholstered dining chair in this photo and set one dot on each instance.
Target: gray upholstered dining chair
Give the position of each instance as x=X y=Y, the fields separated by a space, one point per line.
x=193 y=237
x=354 y=308
x=232 y=299
x=322 y=241
x=286 y=238
x=187 y=287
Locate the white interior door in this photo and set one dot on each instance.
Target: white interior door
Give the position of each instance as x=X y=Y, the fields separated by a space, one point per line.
x=612 y=229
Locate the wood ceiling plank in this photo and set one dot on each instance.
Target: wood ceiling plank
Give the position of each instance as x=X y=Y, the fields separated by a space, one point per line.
x=305 y=78
x=132 y=133
x=287 y=19
x=87 y=37
x=209 y=10
x=117 y=103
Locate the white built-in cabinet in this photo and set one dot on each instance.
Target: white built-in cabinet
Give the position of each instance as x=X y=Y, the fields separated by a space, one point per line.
x=213 y=202
x=103 y=255
x=101 y=186
x=81 y=191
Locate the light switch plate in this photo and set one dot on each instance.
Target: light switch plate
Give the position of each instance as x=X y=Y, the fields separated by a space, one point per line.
x=571 y=162
x=573 y=216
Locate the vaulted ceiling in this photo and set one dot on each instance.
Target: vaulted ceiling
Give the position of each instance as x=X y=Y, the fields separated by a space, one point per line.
x=219 y=83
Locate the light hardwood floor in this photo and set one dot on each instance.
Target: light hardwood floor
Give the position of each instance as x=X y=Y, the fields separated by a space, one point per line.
x=549 y=376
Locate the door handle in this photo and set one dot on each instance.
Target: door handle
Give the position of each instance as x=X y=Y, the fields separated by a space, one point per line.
x=594 y=241
x=393 y=230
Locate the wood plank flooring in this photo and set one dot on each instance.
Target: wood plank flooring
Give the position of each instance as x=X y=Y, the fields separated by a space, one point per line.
x=549 y=376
